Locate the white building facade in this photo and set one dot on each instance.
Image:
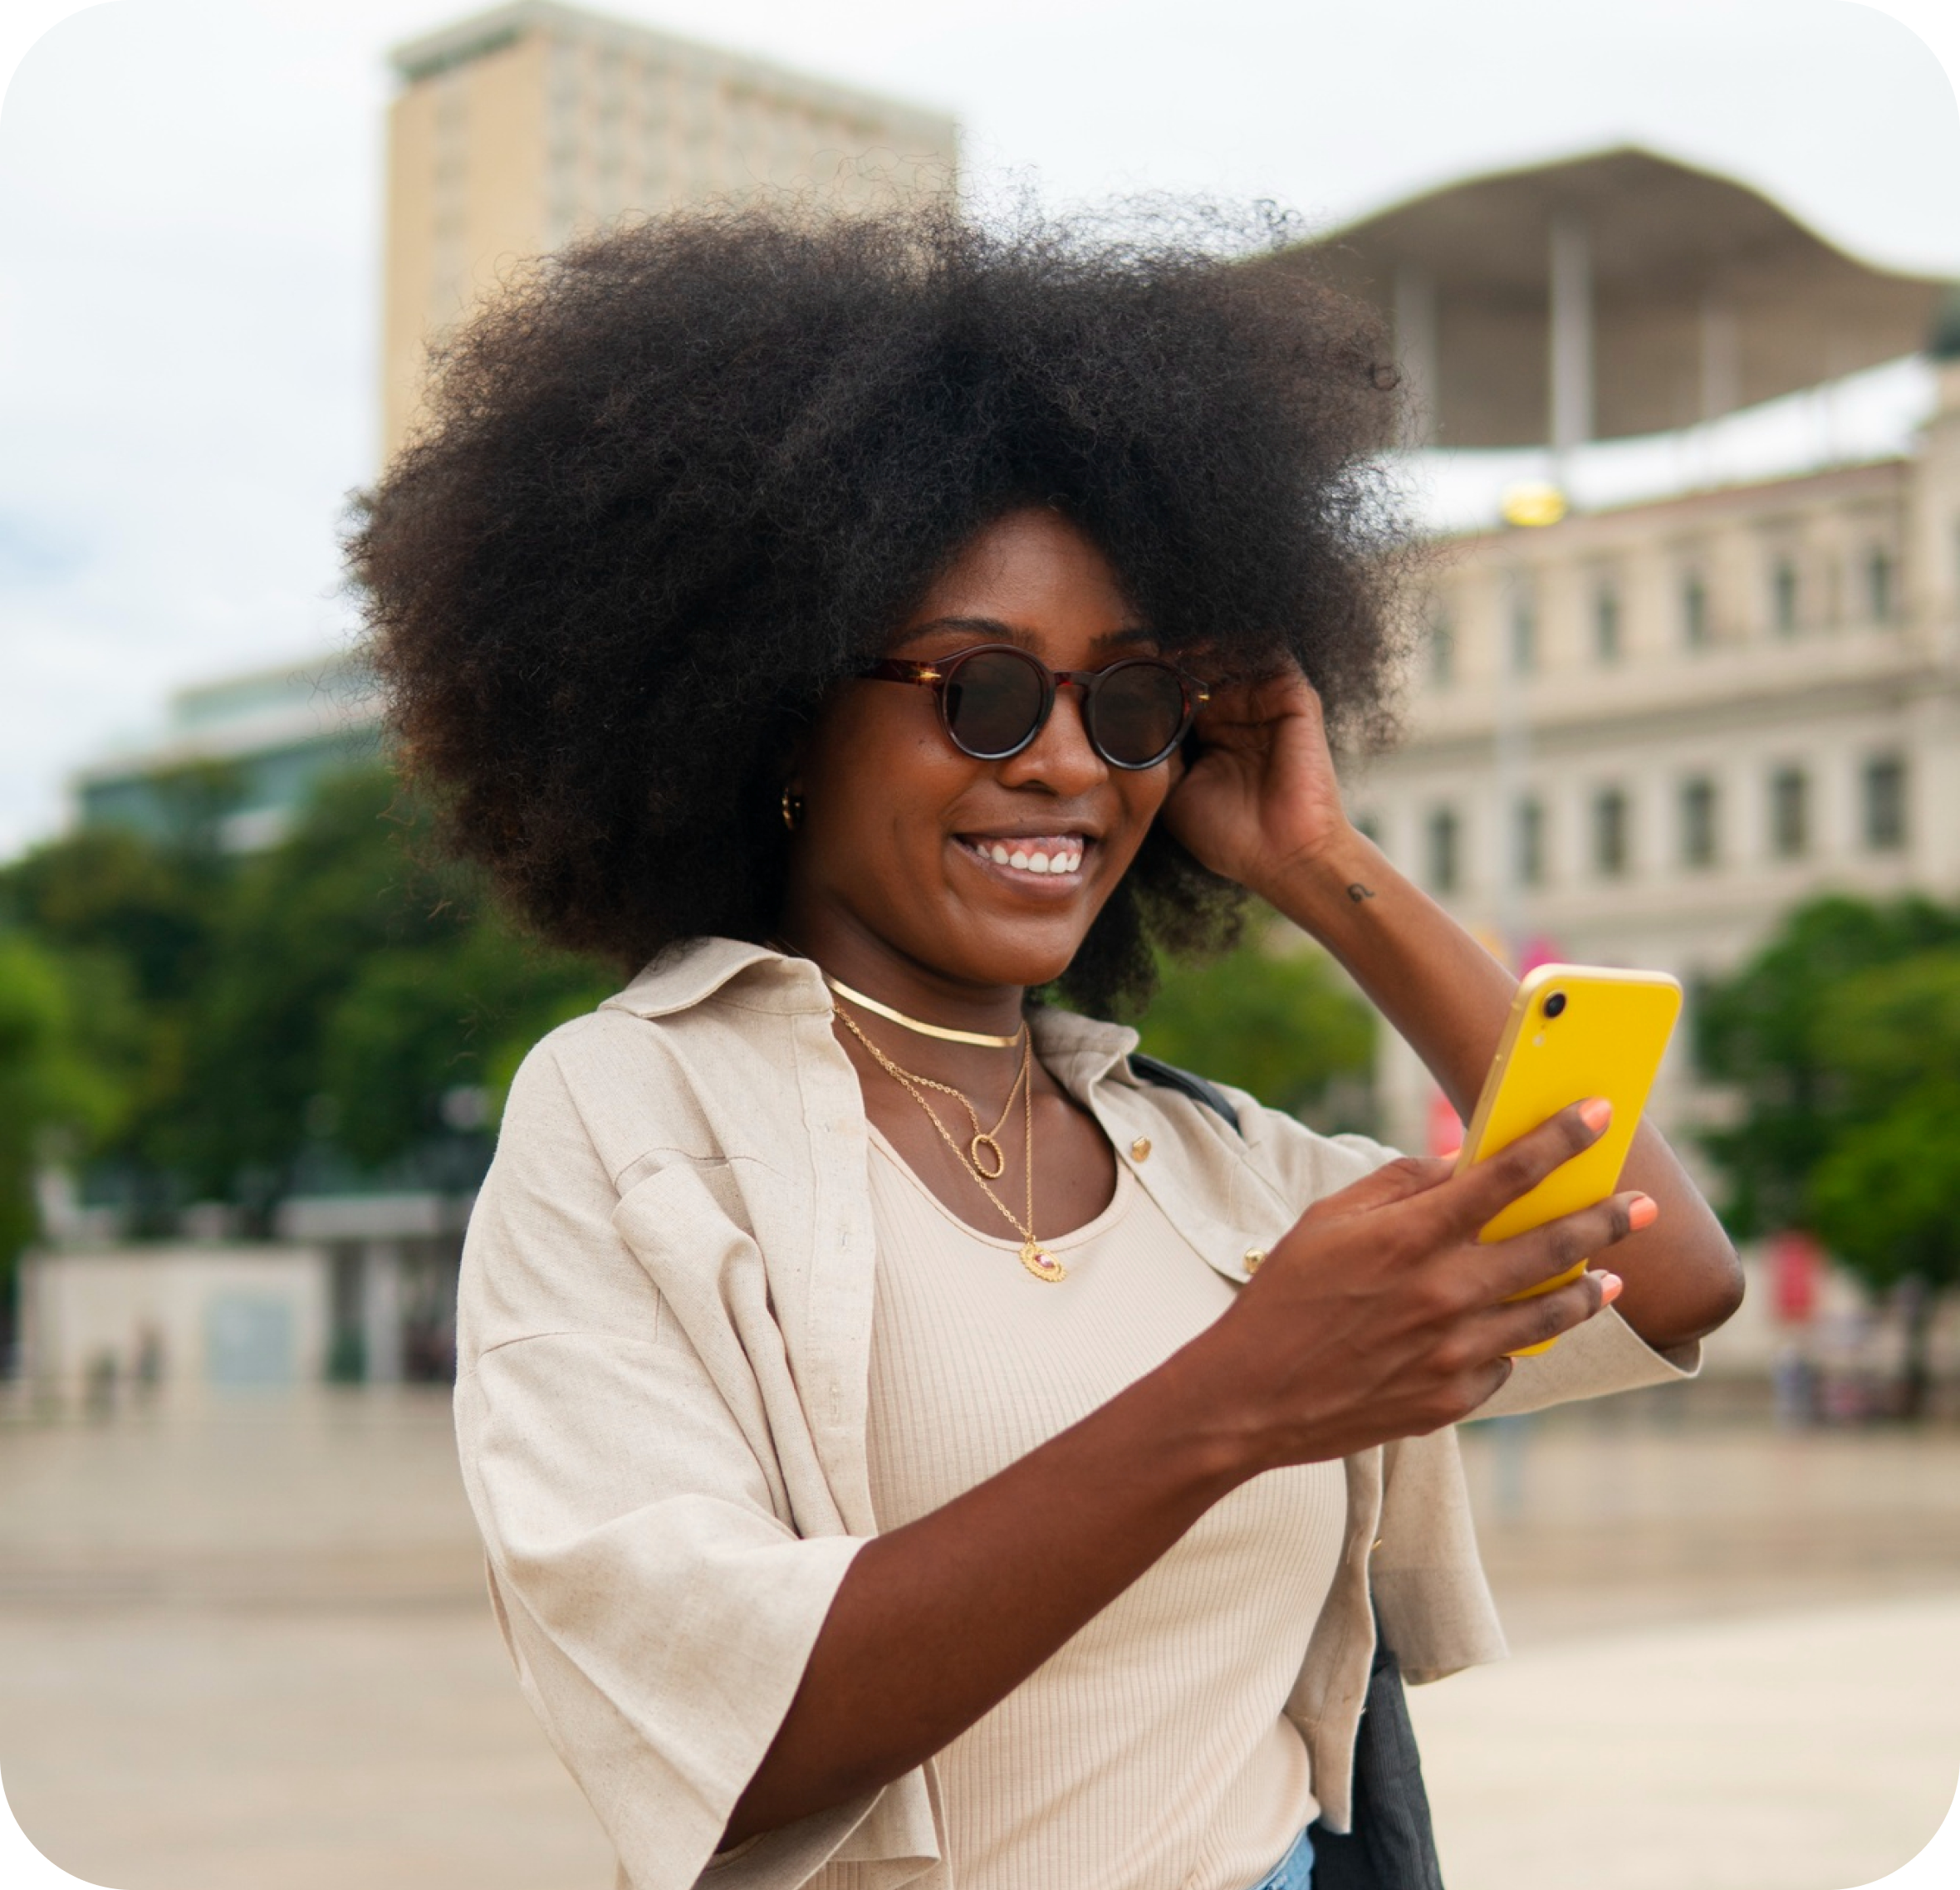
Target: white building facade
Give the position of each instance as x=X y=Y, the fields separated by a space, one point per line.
x=231 y=1316
x=1641 y=736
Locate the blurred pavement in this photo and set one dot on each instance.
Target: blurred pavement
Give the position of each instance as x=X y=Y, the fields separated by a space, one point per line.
x=1813 y=1751
x=244 y=1644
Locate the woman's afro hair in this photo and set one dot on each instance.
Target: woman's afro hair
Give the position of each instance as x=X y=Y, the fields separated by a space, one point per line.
x=679 y=481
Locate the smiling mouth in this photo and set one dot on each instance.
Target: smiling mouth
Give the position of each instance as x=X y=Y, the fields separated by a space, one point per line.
x=1044 y=856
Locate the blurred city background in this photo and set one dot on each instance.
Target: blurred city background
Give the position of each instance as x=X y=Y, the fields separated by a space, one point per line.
x=1686 y=694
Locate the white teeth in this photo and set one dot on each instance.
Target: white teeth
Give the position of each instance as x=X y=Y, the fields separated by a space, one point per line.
x=1025 y=861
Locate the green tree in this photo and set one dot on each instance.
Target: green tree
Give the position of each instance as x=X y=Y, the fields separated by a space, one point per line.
x=1842 y=1038
x=338 y=1003
x=360 y=991
x=51 y=1087
x=426 y=1038
x=1886 y=1195
x=1283 y=1025
x=132 y=917
x=1760 y=1032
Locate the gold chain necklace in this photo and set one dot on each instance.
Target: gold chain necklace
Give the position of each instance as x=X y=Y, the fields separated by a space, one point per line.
x=1043 y=1265
x=986 y=1138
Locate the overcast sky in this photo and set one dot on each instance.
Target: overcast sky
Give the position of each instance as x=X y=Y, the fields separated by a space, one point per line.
x=190 y=226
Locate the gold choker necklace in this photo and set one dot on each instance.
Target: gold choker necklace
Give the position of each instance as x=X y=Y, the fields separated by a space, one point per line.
x=939 y=1030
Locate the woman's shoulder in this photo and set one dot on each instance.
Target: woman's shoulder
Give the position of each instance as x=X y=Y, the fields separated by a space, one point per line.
x=1221 y=1136
x=583 y=1096
x=694 y=1057
x=1278 y=1132
x=1304 y=1164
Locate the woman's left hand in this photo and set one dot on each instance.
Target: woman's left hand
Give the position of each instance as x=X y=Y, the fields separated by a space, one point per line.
x=1260 y=796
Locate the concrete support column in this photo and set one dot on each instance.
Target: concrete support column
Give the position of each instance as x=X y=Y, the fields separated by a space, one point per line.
x=1721 y=358
x=1510 y=761
x=1932 y=754
x=1415 y=350
x=381 y=1312
x=1571 y=339
x=1932 y=573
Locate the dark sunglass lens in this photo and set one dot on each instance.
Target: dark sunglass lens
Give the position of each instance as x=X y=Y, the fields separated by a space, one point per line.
x=1137 y=710
x=992 y=702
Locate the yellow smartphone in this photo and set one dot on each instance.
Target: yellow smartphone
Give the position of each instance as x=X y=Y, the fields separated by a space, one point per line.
x=1574 y=1031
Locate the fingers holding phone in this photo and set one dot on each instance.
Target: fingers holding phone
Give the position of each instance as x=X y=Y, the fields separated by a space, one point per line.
x=1384 y=1312
x=1548 y=1262
x=1529 y=1273
x=1574 y=1031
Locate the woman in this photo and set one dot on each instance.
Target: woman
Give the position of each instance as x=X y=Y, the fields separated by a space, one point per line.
x=911 y=1447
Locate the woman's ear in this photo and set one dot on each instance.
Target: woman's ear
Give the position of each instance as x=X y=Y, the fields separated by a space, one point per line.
x=792 y=784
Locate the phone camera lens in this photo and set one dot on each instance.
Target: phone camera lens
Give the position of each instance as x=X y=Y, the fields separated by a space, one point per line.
x=1554 y=1004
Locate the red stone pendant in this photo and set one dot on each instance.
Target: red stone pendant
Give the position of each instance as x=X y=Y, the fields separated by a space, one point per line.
x=1042 y=1265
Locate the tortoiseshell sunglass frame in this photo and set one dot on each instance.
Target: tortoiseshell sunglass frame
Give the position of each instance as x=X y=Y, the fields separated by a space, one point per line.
x=936 y=674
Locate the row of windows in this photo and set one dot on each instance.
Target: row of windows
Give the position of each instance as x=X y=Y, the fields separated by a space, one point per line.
x=1698 y=825
x=1788 y=608
x=660 y=88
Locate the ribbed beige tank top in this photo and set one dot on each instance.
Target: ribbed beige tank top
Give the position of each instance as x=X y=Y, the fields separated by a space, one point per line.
x=1148 y=1753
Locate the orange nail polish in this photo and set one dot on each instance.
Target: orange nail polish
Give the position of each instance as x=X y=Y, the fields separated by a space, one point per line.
x=1644 y=1213
x=1611 y=1286
x=1597 y=1114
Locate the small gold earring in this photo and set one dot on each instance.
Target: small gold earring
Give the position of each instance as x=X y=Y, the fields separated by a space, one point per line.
x=793 y=808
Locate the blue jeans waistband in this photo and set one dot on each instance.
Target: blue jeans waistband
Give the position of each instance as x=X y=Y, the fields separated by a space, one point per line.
x=1295 y=1871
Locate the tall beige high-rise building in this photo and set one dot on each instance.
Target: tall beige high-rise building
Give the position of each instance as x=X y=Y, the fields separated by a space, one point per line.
x=517 y=129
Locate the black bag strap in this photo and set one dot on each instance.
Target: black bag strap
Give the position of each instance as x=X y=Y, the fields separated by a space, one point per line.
x=1168 y=1077
x=1393 y=1845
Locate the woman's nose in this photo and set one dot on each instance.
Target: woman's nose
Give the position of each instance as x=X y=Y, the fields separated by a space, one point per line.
x=1060 y=757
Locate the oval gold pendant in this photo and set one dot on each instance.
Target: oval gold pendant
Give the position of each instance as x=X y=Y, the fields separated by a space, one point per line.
x=980 y=1168
x=1042 y=1265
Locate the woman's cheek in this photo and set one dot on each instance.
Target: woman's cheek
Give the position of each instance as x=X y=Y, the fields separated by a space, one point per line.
x=1154 y=789
x=1119 y=854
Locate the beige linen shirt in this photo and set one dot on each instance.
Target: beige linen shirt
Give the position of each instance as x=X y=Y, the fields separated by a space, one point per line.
x=663 y=1342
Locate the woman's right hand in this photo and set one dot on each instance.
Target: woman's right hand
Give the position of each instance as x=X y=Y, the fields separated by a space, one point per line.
x=1379 y=1315
x=1376 y=1317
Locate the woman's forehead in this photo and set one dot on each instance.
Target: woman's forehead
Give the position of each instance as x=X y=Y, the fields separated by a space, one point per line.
x=951 y=631
x=1035 y=560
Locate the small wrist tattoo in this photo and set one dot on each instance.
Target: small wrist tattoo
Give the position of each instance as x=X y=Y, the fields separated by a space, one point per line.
x=1358 y=892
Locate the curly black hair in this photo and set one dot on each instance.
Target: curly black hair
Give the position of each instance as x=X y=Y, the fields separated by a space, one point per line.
x=680 y=480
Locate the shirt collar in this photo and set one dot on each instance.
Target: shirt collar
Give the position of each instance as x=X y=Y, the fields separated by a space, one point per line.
x=699 y=968
x=1080 y=1052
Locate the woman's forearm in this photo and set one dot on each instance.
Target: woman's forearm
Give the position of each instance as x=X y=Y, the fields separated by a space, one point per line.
x=936 y=1621
x=1450 y=999
x=1433 y=983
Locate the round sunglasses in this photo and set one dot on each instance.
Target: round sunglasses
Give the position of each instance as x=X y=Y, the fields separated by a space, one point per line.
x=995 y=698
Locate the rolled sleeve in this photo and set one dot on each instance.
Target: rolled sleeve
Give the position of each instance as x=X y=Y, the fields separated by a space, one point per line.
x=662 y=1552
x=1594 y=1360
x=661 y=1617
